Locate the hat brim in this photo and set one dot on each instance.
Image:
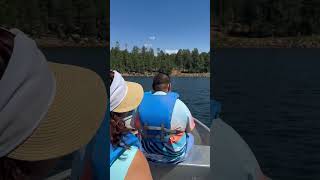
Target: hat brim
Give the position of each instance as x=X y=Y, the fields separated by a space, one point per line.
x=73 y=118
x=132 y=99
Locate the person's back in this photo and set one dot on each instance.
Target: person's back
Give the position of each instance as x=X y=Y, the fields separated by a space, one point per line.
x=164 y=121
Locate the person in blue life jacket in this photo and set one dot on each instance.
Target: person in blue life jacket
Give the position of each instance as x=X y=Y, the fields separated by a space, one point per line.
x=126 y=160
x=164 y=123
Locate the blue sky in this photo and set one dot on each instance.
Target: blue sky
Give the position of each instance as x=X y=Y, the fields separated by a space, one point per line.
x=165 y=24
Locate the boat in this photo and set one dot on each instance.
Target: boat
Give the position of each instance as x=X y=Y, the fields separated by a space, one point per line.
x=196 y=166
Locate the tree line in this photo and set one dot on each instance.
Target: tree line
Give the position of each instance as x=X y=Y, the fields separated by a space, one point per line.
x=145 y=60
x=59 y=17
x=267 y=17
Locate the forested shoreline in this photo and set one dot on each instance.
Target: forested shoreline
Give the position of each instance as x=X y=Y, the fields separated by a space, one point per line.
x=145 y=61
x=58 y=23
x=224 y=41
x=267 y=18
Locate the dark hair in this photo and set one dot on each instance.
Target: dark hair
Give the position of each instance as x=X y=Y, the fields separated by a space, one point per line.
x=161 y=81
x=6 y=48
x=117 y=125
x=26 y=170
x=13 y=169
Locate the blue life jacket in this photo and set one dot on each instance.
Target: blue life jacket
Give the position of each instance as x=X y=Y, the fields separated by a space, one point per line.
x=128 y=140
x=155 y=112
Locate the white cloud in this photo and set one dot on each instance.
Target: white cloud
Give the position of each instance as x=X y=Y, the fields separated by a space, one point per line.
x=147 y=45
x=152 y=37
x=171 y=51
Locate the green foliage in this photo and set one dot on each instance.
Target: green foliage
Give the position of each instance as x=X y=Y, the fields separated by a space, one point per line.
x=145 y=60
x=268 y=17
x=60 y=17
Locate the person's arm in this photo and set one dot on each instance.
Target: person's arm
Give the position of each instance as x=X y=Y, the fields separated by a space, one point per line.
x=190 y=123
x=139 y=169
x=182 y=117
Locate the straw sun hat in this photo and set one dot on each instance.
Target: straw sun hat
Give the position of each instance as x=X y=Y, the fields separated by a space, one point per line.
x=125 y=96
x=47 y=110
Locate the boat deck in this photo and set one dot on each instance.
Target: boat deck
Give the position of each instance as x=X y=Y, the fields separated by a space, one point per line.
x=196 y=166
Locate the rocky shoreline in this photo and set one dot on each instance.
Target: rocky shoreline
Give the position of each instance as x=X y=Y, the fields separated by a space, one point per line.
x=225 y=41
x=53 y=42
x=172 y=75
x=57 y=43
x=72 y=41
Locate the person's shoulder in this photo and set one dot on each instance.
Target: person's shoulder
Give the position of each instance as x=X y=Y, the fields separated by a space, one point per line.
x=139 y=169
x=181 y=104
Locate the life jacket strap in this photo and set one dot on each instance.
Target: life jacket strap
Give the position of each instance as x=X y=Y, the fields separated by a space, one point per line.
x=162 y=128
x=163 y=132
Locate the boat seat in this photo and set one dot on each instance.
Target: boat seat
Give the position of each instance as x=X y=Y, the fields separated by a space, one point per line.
x=199 y=156
x=196 y=166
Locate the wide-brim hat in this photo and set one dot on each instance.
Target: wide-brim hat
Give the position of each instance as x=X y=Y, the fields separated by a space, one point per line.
x=132 y=99
x=73 y=118
x=51 y=109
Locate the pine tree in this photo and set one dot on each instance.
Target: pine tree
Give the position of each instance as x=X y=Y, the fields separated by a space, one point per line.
x=145 y=60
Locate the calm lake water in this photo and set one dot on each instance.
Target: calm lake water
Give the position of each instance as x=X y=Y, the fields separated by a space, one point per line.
x=193 y=91
x=272 y=98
